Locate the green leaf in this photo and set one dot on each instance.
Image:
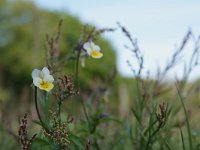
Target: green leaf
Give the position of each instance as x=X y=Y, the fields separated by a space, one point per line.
x=110 y=119
x=135 y=114
x=37 y=122
x=39 y=142
x=77 y=141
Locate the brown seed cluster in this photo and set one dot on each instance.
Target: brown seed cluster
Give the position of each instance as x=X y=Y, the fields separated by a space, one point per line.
x=58 y=133
x=65 y=89
x=162 y=115
x=25 y=143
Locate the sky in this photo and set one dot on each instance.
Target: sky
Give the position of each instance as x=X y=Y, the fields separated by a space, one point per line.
x=159 y=27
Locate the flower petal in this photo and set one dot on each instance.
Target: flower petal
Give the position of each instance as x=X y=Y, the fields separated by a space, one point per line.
x=96 y=54
x=45 y=71
x=96 y=48
x=87 y=46
x=48 y=78
x=92 y=44
x=47 y=86
x=37 y=81
x=35 y=73
x=50 y=87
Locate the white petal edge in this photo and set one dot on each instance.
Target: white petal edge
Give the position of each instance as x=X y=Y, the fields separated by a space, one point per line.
x=87 y=46
x=45 y=71
x=35 y=73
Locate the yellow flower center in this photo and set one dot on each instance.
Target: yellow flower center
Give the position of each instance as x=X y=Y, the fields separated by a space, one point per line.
x=96 y=54
x=47 y=86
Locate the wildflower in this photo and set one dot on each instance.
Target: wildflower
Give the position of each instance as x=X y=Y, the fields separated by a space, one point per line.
x=43 y=79
x=92 y=50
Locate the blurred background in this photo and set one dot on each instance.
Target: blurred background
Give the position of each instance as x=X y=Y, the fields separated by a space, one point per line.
x=159 y=28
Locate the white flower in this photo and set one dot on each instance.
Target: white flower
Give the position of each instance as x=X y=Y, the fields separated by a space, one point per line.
x=92 y=50
x=43 y=79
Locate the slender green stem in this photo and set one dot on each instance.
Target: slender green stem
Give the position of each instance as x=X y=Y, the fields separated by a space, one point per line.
x=182 y=138
x=186 y=116
x=151 y=136
x=46 y=108
x=38 y=113
x=166 y=143
x=77 y=85
x=77 y=68
x=149 y=127
x=86 y=115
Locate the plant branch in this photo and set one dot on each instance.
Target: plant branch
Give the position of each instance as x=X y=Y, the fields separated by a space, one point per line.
x=38 y=113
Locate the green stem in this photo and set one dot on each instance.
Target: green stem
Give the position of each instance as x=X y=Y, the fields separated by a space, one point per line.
x=77 y=67
x=47 y=108
x=186 y=116
x=151 y=136
x=182 y=138
x=38 y=113
x=86 y=115
x=77 y=85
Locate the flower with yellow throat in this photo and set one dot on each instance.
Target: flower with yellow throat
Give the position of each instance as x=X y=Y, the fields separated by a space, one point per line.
x=92 y=50
x=42 y=79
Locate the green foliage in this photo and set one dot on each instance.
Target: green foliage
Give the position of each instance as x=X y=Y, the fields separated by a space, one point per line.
x=90 y=106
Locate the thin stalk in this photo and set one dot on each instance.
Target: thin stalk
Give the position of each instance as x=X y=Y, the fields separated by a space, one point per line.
x=166 y=143
x=38 y=113
x=149 y=127
x=86 y=115
x=186 y=116
x=151 y=136
x=77 y=67
x=182 y=138
x=77 y=85
x=47 y=108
